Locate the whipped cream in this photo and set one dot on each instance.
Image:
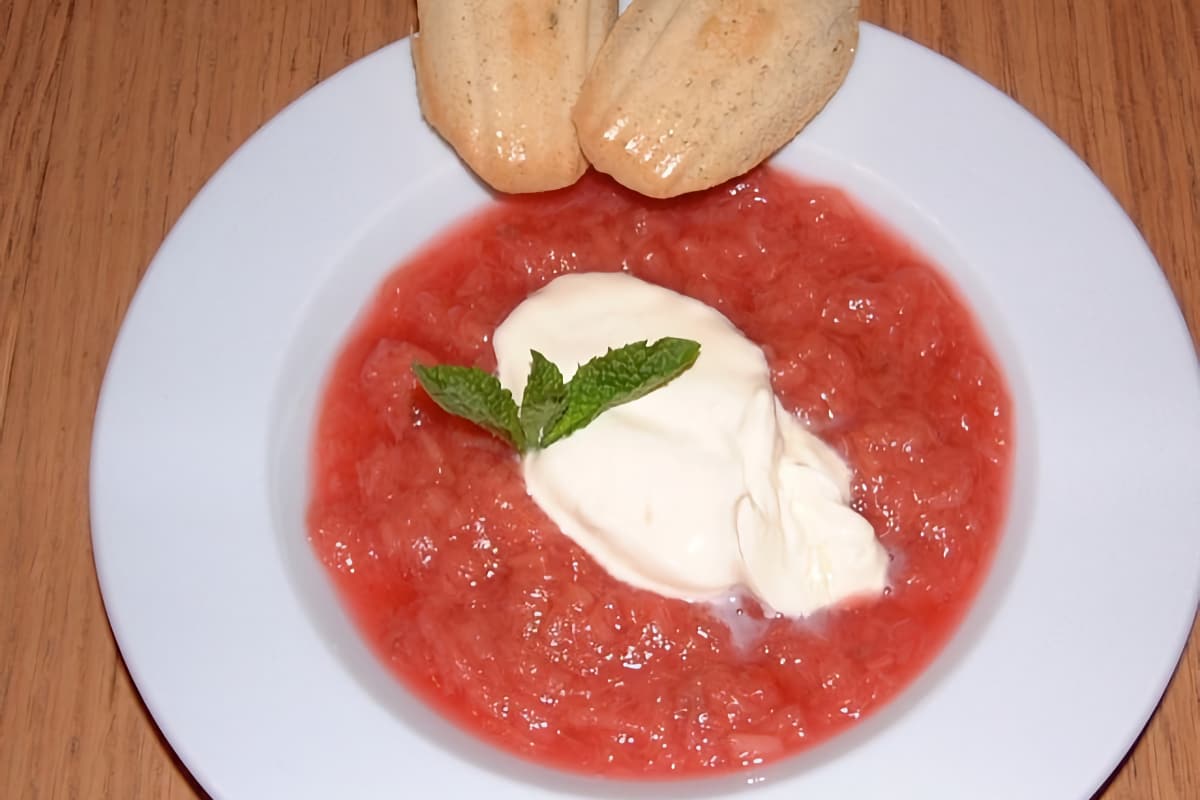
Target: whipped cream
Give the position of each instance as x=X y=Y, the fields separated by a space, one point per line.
x=700 y=487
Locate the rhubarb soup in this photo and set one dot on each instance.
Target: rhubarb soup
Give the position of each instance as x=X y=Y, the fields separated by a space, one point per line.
x=479 y=603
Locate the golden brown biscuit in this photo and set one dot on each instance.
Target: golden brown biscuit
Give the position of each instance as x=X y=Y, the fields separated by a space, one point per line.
x=498 y=79
x=686 y=94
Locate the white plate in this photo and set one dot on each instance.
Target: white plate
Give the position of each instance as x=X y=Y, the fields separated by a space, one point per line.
x=199 y=461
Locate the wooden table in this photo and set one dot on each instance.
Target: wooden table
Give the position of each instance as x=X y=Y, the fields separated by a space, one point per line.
x=113 y=113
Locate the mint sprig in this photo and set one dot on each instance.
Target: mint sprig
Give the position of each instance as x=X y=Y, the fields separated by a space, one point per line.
x=620 y=376
x=475 y=395
x=545 y=397
x=551 y=409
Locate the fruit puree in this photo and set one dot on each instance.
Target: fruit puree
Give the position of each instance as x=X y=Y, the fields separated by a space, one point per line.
x=476 y=602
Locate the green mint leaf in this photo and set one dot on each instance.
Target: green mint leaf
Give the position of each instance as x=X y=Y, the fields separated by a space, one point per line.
x=620 y=376
x=474 y=395
x=549 y=410
x=544 y=400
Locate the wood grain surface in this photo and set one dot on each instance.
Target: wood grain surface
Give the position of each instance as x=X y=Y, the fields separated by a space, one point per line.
x=114 y=112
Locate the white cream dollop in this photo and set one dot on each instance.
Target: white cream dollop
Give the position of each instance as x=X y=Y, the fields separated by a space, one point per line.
x=701 y=486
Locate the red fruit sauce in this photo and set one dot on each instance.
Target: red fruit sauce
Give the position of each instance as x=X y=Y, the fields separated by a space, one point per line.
x=477 y=602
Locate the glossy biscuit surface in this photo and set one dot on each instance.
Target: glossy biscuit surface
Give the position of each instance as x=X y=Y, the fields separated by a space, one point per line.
x=498 y=79
x=686 y=94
